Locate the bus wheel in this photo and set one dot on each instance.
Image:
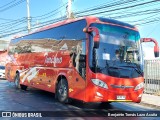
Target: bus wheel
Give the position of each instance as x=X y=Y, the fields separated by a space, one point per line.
x=62 y=91
x=17 y=80
x=23 y=87
x=105 y=103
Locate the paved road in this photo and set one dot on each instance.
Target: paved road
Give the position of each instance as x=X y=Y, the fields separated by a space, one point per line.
x=12 y=99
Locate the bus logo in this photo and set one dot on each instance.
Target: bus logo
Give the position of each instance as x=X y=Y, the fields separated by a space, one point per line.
x=121 y=86
x=53 y=60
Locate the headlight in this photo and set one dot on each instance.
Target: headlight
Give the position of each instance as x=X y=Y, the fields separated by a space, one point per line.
x=99 y=83
x=139 y=86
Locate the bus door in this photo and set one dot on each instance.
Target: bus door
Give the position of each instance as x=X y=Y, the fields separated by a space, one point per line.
x=79 y=73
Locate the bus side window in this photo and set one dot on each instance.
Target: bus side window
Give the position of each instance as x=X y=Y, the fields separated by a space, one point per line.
x=82 y=59
x=78 y=56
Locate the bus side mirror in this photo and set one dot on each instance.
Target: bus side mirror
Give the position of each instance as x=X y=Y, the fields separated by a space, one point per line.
x=96 y=36
x=156 y=47
x=156 y=51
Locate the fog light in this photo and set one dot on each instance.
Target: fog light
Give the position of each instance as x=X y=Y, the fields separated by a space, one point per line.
x=99 y=94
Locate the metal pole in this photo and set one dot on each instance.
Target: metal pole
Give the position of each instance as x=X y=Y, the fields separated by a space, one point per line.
x=69 y=9
x=28 y=17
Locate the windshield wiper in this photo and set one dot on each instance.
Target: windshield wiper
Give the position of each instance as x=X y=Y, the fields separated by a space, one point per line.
x=135 y=68
x=138 y=68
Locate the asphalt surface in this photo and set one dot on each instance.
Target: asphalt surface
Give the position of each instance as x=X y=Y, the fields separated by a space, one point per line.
x=38 y=101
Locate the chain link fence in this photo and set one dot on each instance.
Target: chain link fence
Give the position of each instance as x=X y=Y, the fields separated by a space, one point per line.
x=152 y=77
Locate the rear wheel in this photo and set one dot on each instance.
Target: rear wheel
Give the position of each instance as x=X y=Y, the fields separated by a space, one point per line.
x=17 y=82
x=62 y=91
x=23 y=87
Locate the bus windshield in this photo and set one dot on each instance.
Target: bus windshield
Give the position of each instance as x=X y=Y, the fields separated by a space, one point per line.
x=119 y=51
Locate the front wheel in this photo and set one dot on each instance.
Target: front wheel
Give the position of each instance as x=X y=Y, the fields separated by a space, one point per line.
x=105 y=103
x=62 y=91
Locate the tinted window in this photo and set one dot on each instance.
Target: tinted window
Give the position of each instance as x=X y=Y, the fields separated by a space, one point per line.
x=118 y=53
x=69 y=31
x=49 y=40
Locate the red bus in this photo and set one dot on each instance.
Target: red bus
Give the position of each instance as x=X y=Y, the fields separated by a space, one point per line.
x=3 y=55
x=89 y=59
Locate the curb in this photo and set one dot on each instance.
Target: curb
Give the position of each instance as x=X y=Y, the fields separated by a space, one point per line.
x=150 y=105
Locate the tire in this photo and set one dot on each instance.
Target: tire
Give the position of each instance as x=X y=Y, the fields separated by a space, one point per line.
x=62 y=91
x=105 y=103
x=17 y=83
x=23 y=87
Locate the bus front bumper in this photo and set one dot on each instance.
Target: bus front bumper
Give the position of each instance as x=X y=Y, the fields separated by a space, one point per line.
x=103 y=95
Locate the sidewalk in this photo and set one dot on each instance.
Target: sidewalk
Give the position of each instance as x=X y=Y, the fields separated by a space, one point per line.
x=151 y=101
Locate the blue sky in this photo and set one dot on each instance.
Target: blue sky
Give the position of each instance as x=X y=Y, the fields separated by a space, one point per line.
x=42 y=7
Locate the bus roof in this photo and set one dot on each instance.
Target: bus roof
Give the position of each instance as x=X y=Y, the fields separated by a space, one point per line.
x=89 y=20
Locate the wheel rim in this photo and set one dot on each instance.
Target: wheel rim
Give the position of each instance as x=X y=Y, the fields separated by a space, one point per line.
x=62 y=91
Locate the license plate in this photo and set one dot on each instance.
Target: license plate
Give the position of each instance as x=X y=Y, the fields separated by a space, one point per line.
x=121 y=97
